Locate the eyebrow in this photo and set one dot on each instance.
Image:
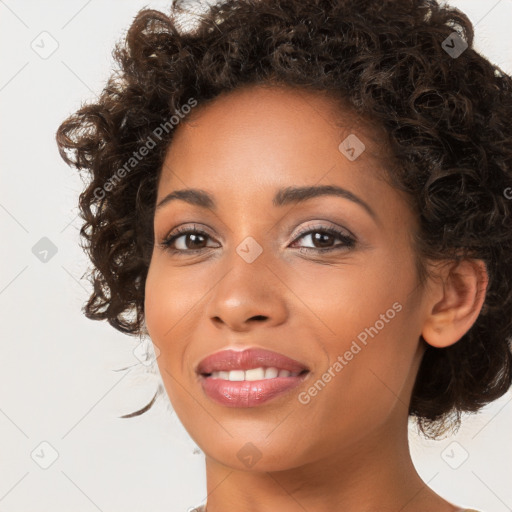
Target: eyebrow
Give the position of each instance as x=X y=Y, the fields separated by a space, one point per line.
x=283 y=197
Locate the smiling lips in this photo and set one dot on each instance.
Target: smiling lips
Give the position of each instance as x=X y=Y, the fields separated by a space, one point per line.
x=248 y=378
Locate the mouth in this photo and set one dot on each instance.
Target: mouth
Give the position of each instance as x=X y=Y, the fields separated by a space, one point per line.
x=249 y=378
x=254 y=374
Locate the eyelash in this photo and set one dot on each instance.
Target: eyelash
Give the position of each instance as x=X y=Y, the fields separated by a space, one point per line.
x=348 y=241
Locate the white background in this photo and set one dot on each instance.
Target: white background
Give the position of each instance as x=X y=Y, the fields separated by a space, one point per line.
x=58 y=382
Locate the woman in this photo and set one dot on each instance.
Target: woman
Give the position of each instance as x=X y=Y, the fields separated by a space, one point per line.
x=306 y=206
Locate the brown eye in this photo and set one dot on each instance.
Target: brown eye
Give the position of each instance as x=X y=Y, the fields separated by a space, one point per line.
x=322 y=239
x=194 y=240
x=186 y=240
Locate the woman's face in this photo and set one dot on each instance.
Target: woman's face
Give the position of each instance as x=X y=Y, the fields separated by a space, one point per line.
x=350 y=314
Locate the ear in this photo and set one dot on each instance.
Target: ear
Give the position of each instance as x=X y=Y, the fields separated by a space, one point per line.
x=455 y=302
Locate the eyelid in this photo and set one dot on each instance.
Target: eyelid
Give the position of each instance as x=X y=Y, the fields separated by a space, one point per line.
x=185 y=228
x=320 y=227
x=349 y=241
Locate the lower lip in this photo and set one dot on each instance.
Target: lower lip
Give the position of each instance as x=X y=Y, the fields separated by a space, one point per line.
x=248 y=393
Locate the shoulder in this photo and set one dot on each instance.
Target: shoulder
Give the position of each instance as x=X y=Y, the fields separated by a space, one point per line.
x=201 y=508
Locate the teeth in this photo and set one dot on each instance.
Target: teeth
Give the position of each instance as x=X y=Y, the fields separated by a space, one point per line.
x=253 y=374
x=236 y=375
x=271 y=373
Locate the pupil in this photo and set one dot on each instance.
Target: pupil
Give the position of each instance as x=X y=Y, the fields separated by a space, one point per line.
x=195 y=238
x=318 y=237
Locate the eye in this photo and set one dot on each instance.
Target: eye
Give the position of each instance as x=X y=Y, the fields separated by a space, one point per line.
x=192 y=240
x=324 y=236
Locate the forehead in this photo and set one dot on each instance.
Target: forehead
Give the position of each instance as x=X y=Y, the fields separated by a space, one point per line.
x=246 y=146
x=279 y=129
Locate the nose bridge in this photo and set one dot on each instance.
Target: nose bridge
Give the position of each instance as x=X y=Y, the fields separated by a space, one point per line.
x=249 y=287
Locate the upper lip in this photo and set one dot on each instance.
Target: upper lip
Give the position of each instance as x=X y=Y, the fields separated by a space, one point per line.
x=227 y=360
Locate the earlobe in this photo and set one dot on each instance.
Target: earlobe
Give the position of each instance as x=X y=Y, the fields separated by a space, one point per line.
x=462 y=290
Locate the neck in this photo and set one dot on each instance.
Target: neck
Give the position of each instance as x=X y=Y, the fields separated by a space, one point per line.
x=376 y=473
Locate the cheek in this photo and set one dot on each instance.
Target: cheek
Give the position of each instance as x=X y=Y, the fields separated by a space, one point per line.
x=365 y=382
x=369 y=331
x=380 y=323
x=162 y=313
x=157 y=306
x=172 y=301
x=163 y=308
x=168 y=301
x=345 y=299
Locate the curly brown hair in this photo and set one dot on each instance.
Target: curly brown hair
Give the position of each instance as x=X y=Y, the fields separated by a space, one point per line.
x=448 y=118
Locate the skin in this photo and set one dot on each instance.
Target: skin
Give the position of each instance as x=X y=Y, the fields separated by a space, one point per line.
x=347 y=448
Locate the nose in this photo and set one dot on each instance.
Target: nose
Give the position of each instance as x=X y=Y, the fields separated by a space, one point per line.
x=248 y=294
